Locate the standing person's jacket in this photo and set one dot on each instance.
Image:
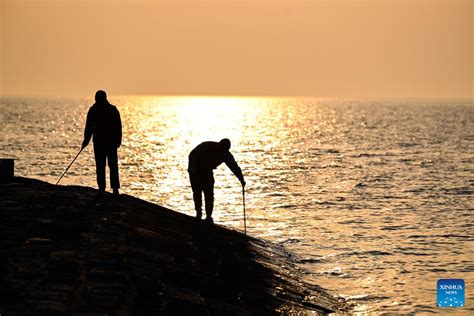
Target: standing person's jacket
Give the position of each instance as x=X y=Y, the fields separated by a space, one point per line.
x=104 y=124
x=208 y=156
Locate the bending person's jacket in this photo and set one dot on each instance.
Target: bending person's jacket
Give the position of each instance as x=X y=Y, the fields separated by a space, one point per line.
x=208 y=156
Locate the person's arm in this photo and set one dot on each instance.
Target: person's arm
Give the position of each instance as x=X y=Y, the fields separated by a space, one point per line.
x=89 y=129
x=234 y=167
x=119 y=129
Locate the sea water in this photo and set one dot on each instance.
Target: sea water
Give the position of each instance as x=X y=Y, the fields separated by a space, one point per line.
x=375 y=198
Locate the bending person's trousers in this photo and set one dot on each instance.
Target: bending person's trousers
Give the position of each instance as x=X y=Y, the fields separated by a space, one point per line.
x=102 y=154
x=203 y=182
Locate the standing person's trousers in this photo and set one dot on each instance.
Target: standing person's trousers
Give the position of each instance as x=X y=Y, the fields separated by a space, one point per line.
x=203 y=182
x=109 y=153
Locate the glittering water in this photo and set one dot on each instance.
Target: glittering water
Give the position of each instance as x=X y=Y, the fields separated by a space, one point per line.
x=375 y=197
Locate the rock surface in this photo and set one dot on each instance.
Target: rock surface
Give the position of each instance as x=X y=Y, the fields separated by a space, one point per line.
x=67 y=250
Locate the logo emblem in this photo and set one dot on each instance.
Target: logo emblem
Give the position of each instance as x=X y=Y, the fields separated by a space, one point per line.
x=450 y=293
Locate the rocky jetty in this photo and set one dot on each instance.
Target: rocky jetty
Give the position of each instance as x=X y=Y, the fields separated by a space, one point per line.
x=68 y=250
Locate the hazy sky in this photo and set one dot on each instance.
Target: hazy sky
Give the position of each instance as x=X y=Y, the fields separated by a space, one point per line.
x=339 y=48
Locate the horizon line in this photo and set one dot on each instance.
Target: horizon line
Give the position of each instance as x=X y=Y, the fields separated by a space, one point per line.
x=243 y=96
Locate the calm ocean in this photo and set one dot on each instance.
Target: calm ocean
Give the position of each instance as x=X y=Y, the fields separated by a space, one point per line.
x=376 y=198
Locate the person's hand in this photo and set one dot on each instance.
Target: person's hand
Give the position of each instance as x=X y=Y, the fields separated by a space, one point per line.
x=243 y=183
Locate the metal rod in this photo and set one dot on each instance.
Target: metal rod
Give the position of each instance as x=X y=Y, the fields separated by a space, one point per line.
x=69 y=165
x=245 y=217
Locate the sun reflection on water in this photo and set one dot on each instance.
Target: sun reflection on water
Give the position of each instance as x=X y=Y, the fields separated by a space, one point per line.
x=168 y=128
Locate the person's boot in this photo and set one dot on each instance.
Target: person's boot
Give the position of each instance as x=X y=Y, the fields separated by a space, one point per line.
x=115 y=191
x=209 y=220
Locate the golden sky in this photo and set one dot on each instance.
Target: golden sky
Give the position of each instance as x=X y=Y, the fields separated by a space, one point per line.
x=339 y=48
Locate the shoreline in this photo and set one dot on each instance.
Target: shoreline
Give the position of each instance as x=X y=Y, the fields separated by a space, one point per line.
x=68 y=250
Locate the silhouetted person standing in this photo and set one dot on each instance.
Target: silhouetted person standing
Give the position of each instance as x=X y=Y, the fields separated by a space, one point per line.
x=202 y=160
x=104 y=125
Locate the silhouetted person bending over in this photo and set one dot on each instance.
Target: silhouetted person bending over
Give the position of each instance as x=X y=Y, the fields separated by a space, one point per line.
x=104 y=124
x=202 y=160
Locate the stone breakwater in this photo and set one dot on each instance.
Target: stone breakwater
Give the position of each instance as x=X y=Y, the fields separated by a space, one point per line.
x=68 y=250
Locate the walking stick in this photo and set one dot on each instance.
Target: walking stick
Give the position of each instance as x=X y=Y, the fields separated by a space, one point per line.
x=245 y=217
x=70 y=165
